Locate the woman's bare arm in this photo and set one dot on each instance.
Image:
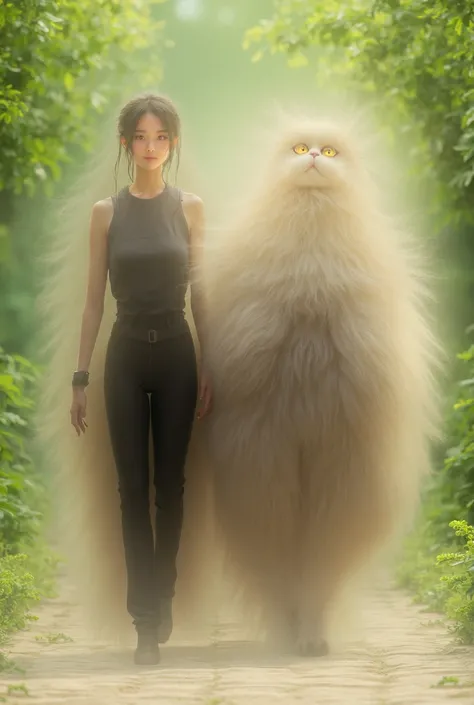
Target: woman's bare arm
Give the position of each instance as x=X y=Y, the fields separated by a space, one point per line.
x=194 y=212
x=97 y=280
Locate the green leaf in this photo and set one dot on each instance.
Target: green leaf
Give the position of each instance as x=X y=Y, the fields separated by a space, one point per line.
x=257 y=56
x=298 y=60
x=69 y=81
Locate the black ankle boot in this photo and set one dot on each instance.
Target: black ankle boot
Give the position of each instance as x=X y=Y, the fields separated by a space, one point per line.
x=147 y=652
x=165 y=626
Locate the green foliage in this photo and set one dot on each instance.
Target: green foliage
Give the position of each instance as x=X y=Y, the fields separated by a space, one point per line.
x=441 y=573
x=17 y=594
x=54 y=57
x=26 y=566
x=452 y=496
x=446 y=681
x=439 y=563
x=54 y=639
x=459 y=582
x=458 y=480
x=18 y=689
x=19 y=489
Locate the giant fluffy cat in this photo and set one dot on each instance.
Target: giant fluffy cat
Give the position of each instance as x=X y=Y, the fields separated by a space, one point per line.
x=321 y=364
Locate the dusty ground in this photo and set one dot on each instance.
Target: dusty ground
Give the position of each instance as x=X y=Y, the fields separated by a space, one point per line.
x=404 y=657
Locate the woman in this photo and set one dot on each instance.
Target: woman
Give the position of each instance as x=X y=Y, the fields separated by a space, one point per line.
x=147 y=239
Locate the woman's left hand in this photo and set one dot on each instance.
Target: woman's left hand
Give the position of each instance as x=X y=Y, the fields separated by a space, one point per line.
x=205 y=395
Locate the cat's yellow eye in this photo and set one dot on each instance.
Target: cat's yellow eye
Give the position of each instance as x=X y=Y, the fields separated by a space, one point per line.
x=328 y=152
x=301 y=148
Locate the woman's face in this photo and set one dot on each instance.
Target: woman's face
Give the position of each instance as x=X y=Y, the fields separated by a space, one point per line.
x=150 y=143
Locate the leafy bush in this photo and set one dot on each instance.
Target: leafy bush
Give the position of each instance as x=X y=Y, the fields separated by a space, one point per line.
x=439 y=562
x=458 y=480
x=458 y=582
x=17 y=593
x=19 y=521
x=26 y=565
x=56 y=57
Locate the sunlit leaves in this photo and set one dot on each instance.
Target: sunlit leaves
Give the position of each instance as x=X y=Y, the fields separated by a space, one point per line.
x=54 y=56
x=297 y=60
x=17 y=516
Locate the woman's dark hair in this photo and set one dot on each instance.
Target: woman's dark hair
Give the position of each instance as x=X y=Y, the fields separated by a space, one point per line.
x=132 y=112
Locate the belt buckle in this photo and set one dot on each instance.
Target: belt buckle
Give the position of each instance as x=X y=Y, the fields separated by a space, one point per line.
x=152 y=336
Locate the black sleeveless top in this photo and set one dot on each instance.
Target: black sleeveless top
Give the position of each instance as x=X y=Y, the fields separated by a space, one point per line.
x=148 y=254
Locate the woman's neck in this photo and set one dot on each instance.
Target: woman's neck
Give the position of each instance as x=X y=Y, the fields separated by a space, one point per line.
x=147 y=184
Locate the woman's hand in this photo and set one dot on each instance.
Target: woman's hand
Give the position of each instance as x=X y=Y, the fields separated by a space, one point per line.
x=205 y=395
x=78 y=409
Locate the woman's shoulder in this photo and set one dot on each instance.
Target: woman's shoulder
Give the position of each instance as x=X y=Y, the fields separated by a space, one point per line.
x=193 y=209
x=107 y=205
x=102 y=212
x=192 y=204
x=104 y=205
x=191 y=199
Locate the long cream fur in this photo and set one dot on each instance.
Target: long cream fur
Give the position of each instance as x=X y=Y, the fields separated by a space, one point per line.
x=322 y=365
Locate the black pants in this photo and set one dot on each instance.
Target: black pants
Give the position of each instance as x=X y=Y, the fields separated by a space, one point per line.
x=157 y=382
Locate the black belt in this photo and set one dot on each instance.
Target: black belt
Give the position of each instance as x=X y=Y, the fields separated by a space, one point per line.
x=151 y=327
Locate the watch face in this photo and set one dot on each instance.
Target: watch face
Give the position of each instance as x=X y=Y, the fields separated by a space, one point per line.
x=80 y=378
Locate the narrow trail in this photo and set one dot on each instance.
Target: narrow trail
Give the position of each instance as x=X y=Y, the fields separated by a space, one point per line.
x=402 y=658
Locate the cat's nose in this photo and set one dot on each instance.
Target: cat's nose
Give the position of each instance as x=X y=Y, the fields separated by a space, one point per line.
x=314 y=153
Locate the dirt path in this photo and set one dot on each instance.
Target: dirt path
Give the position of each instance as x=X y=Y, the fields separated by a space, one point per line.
x=403 y=656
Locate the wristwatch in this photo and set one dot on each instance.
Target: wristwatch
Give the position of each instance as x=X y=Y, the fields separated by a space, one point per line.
x=80 y=378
